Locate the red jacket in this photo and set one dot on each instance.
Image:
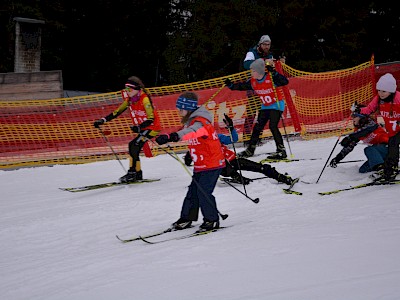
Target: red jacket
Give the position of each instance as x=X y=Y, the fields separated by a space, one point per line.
x=142 y=110
x=390 y=112
x=378 y=136
x=205 y=147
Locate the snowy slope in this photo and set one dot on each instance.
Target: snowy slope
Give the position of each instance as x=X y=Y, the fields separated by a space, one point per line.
x=61 y=246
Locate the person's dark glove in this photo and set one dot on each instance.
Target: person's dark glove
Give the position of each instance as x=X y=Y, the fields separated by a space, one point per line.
x=162 y=139
x=165 y=138
x=355 y=108
x=173 y=137
x=188 y=159
x=228 y=82
x=135 y=128
x=333 y=163
x=99 y=122
x=228 y=122
x=270 y=68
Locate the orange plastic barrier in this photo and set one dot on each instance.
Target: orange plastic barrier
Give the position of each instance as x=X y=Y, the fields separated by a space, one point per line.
x=60 y=131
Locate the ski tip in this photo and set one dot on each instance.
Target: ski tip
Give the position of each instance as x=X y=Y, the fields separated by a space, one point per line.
x=144 y=240
x=120 y=239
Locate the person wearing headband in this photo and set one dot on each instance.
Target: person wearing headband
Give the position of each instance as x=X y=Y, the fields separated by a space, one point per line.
x=145 y=119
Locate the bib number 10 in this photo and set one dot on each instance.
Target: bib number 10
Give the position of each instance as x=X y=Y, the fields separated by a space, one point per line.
x=267 y=99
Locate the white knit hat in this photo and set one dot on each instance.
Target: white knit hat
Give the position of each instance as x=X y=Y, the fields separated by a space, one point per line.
x=387 y=83
x=264 y=38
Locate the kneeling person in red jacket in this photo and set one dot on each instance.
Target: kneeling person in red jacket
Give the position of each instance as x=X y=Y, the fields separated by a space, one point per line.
x=371 y=133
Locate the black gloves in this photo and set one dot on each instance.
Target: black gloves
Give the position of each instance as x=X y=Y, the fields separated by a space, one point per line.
x=188 y=159
x=270 y=68
x=139 y=128
x=333 y=163
x=173 y=137
x=228 y=83
x=162 y=139
x=165 y=138
x=135 y=128
x=99 y=122
x=228 y=122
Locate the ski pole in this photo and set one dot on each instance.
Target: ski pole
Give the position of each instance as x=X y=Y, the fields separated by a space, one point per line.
x=337 y=141
x=256 y=200
x=237 y=159
x=176 y=157
x=109 y=145
x=215 y=94
x=223 y=216
x=258 y=178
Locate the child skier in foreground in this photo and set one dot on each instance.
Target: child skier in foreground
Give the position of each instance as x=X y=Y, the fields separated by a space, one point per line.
x=206 y=152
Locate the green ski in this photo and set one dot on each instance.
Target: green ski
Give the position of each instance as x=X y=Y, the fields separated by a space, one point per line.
x=358 y=187
x=104 y=185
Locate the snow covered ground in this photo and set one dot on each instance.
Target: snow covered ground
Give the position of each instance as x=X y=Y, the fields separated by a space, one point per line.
x=59 y=245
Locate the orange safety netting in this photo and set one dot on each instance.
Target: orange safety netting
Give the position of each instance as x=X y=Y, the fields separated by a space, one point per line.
x=323 y=100
x=61 y=131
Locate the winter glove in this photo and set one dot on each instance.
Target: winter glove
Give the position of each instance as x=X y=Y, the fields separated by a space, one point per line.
x=355 y=108
x=135 y=128
x=99 y=122
x=173 y=137
x=162 y=139
x=270 y=68
x=228 y=122
x=188 y=159
x=228 y=83
x=165 y=138
x=333 y=163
